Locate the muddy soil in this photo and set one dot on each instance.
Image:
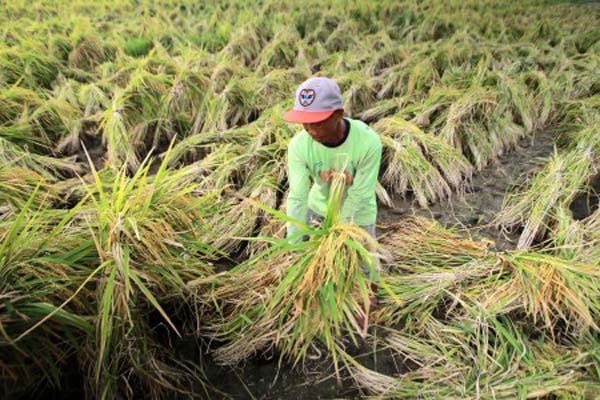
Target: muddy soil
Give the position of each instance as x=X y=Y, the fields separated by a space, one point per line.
x=476 y=209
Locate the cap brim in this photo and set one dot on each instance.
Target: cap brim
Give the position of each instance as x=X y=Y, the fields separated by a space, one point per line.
x=307 y=117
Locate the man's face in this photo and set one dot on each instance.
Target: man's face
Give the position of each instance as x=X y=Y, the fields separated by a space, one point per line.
x=324 y=131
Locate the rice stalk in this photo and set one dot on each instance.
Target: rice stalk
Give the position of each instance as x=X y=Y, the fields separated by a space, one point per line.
x=314 y=291
x=555 y=186
x=138 y=226
x=420 y=162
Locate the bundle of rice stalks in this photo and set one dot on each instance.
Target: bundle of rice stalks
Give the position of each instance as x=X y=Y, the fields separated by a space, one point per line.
x=237 y=105
x=414 y=77
x=416 y=239
x=18 y=184
x=240 y=220
x=522 y=103
x=326 y=24
x=358 y=93
x=16 y=106
x=31 y=68
x=388 y=54
x=139 y=225
x=535 y=203
x=420 y=162
x=136 y=119
x=562 y=294
x=542 y=96
x=277 y=85
x=187 y=98
x=224 y=71
x=481 y=359
x=43 y=262
x=429 y=266
x=381 y=109
x=92 y=100
x=55 y=120
x=48 y=167
x=280 y=52
x=466 y=128
x=343 y=38
x=437 y=274
x=293 y=296
x=245 y=45
x=88 y=53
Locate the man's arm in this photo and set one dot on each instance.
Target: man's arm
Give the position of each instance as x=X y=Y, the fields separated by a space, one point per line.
x=363 y=185
x=299 y=185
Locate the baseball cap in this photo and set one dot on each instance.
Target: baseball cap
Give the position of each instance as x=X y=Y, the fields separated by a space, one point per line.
x=316 y=99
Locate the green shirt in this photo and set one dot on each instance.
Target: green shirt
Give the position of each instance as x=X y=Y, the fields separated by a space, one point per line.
x=308 y=164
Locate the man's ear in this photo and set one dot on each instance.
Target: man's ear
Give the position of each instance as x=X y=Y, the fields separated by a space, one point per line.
x=340 y=113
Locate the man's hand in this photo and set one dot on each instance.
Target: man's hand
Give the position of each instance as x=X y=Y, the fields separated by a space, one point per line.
x=327 y=176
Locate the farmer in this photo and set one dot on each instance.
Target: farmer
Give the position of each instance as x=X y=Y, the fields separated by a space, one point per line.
x=330 y=143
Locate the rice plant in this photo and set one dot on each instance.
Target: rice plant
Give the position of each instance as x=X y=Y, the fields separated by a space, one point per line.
x=420 y=162
x=106 y=258
x=138 y=226
x=292 y=296
x=555 y=186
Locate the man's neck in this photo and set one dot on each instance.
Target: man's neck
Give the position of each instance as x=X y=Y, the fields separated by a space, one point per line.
x=341 y=134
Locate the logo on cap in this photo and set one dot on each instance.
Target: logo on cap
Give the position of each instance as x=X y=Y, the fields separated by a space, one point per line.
x=306 y=97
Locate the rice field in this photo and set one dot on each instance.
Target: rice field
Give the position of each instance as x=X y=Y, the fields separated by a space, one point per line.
x=143 y=191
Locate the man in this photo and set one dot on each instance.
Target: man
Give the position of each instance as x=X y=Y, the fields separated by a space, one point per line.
x=330 y=143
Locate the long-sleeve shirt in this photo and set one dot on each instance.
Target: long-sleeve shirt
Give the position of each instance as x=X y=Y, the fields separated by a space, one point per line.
x=309 y=163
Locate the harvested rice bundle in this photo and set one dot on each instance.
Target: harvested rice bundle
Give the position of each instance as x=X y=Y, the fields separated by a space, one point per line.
x=28 y=119
x=417 y=240
x=465 y=126
x=435 y=267
x=280 y=52
x=343 y=38
x=381 y=109
x=18 y=185
x=359 y=93
x=429 y=266
x=31 y=68
x=555 y=186
x=197 y=146
x=562 y=294
x=88 y=53
x=239 y=220
x=55 y=120
x=187 y=98
x=420 y=162
x=225 y=71
x=276 y=86
x=136 y=119
x=245 y=45
x=422 y=291
x=315 y=292
x=474 y=359
x=50 y=168
x=236 y=105
x=541 y=99
x=414 y=77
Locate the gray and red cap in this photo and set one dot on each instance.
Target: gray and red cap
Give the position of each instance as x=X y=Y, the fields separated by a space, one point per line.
x=316 y=99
